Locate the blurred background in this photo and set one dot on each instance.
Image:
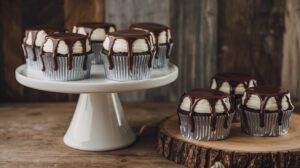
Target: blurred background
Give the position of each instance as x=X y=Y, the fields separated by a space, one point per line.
x=259 y=37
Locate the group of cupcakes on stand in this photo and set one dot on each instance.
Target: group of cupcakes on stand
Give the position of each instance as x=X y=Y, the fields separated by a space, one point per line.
x=126 y=54
x=207 y=114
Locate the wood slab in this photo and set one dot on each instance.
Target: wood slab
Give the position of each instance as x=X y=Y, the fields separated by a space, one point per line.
x=238 y=150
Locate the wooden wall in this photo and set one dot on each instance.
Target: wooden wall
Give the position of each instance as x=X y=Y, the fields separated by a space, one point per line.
x=260 y=37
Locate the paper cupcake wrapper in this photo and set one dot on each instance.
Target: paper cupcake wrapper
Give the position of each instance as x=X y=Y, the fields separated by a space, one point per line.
x=31 y=64
x=162 y=60
x=203 y=130
x=120 y=72
x=63 y=73
x=271 y=128
x=96 y=57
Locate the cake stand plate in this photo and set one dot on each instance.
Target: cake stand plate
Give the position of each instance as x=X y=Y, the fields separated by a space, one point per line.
x=238 y=150
x=98 y=123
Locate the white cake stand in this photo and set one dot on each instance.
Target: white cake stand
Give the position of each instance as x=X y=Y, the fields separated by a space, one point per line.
x=98 y=123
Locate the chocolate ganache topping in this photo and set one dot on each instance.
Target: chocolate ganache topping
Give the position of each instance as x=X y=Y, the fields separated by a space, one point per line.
x=156 y=30
x=233 y=84
x=130 y=37
x=265 y=94
x=90 y=28
x=212 y=97
x=35 y=35
x=68 y=39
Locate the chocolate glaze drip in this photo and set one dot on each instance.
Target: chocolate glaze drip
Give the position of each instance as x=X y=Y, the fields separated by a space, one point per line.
x=34 y=31
x=212 y=96
x=129 y=36
x=265 y=93
x=70 y=39
x=234 y=79
x=156 y=29
x=90 y=27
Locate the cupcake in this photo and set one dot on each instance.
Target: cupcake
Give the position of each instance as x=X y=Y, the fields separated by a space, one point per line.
x=235 y=85
x=96 y=33
x=34 y=37
x=266 y=111
x=127 y=55
x=162 y=41
x=66 y=56
x=204 y=114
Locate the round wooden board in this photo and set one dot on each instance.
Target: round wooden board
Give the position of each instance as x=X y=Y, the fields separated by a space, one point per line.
x=238 y=150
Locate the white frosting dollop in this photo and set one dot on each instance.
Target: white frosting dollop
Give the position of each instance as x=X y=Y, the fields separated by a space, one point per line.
x=97 y=35
x=40 y=38
x=203 y=105
x=162 y=37
x=254 y=102
x=63 y=48
x=120 y=45
x=225 y=87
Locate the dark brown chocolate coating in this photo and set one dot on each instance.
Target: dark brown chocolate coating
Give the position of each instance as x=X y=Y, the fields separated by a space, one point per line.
x=265 y=93
x=212 y=96
x=234 y=79
x=156 y=29
x=129 y=36
x=69 y=39
x=89 y=27
x=34 y=31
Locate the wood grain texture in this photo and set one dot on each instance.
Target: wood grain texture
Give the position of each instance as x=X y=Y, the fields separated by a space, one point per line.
x=250 y=38
x=237 y=150
x=290 y=76
x=76 y=11
x=31 y=136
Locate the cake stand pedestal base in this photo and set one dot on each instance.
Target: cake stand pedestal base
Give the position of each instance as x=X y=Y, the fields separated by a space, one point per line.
x=99 y=124
x=238 y=150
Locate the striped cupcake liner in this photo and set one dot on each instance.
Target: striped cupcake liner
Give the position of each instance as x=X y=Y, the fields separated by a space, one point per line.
x=203 y=130
x=120 y=72
x=162 y=59
x=96 y=57
x=31 y=64
x=251 y=123
x=63 y=73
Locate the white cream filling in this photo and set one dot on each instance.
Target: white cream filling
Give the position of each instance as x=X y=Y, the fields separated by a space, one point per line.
x=63 y=48
x=120 y=45
x=97 y=35
x=40 y=37
x=162 y=37
x=225 y=87
x=203 y=105
x=254 y=102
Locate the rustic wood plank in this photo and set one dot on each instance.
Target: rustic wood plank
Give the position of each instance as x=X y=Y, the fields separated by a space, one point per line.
x=31 y=136
x=76 y=11
x=2 y=81
x=290 y=65
x=194 y=26
x=250 y=38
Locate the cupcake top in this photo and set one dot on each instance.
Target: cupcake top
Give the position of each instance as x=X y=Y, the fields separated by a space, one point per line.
x=232 y=83
x=96 y=31
x=264 y=98
x=160 y=34
x=35 y=36
x=129 y=42
x=204 y=101
x=65 y=44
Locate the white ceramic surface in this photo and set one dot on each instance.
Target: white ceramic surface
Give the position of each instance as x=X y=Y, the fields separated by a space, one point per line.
x=97 y=82
x=98 y=123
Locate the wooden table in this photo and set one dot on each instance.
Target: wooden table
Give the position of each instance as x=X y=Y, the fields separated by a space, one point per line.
x=31 y=136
